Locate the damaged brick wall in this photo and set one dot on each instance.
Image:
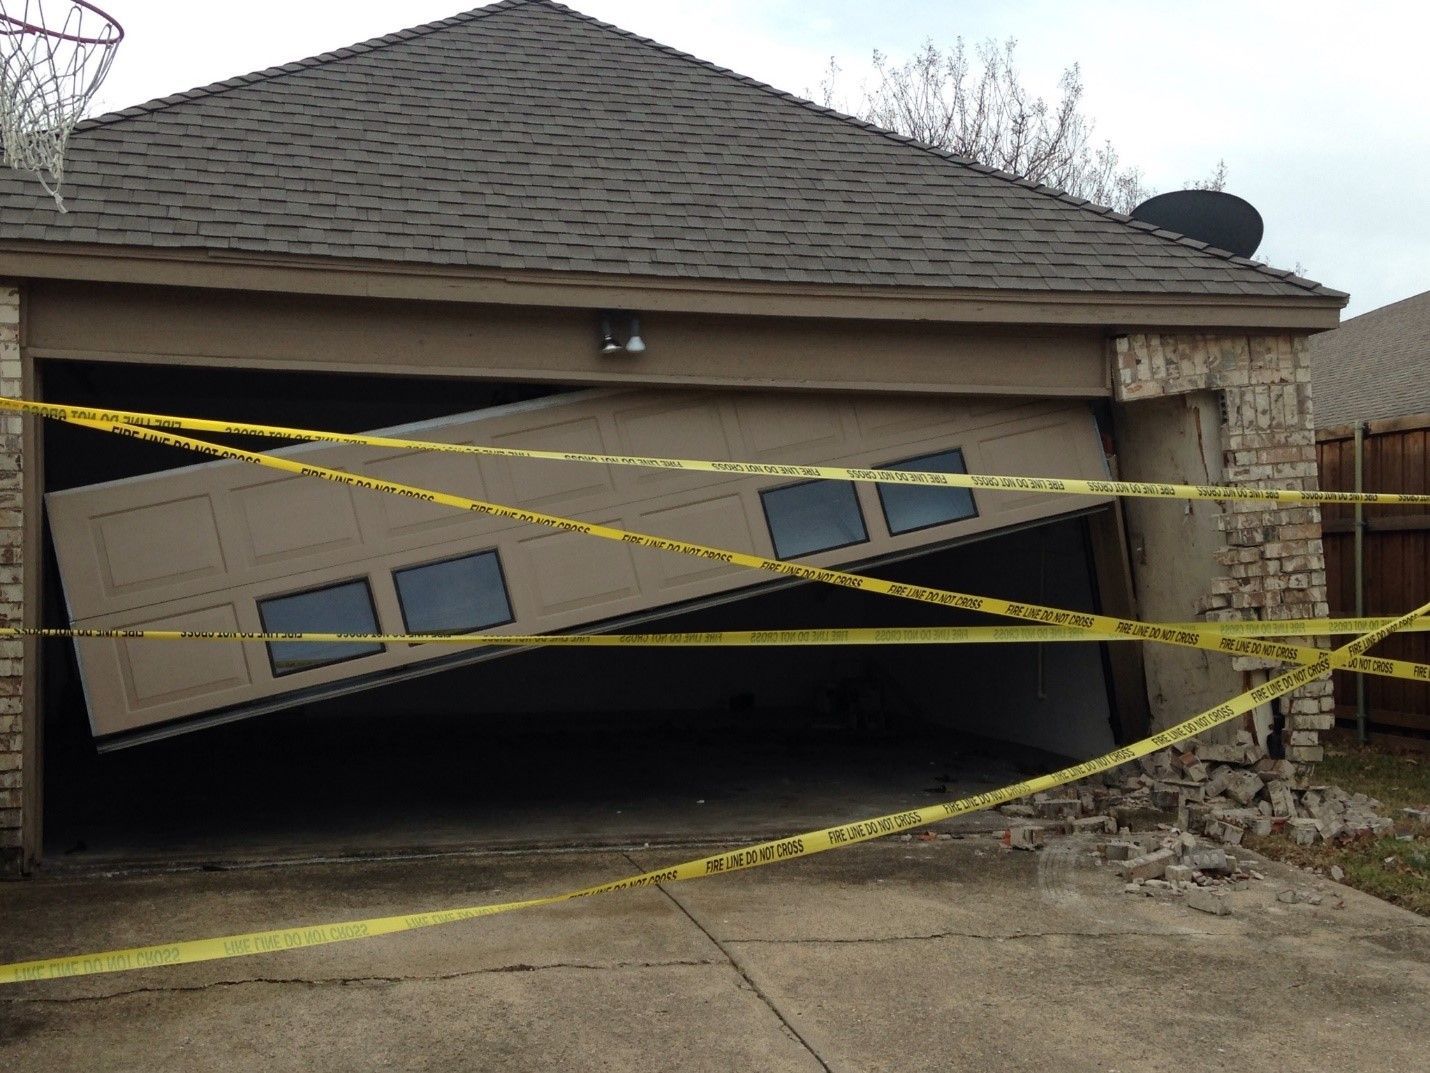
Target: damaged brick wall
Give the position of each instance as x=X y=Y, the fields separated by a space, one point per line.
x=1271 y=565
x=12 y=600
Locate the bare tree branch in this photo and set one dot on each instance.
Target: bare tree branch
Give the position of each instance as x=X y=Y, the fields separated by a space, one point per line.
x=979 y=108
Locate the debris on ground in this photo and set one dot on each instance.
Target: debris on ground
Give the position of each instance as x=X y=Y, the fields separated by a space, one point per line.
x=1173 y=815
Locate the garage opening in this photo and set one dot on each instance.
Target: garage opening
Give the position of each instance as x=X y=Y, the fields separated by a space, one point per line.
x=570 y=746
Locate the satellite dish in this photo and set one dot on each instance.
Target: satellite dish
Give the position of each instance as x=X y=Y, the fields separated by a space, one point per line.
x=1211 y=216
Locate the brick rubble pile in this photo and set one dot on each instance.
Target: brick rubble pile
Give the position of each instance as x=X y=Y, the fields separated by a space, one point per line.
x=1187 y=805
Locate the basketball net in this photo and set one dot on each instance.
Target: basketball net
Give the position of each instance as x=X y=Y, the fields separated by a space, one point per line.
x=51 y=63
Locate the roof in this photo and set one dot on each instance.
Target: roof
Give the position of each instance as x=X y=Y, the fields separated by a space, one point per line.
x=1374 y=366
x=526 y=136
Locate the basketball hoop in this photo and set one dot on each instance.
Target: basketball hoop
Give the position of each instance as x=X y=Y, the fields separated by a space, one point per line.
x=51 y=64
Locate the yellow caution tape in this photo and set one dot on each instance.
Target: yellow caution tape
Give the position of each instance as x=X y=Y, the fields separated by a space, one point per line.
x=1200 y=637
x=1298 y=627
x=979 y=482
x=886 y=635
x=823 y=635
x=756 y=856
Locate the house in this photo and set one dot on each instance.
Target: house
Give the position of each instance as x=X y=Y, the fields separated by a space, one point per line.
x=436 y=229
x=1374 y=366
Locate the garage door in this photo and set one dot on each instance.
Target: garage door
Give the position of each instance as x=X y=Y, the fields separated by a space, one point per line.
x=227 y=546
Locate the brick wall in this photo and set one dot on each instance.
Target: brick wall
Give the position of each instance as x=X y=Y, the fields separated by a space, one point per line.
x=12 y=660
x=1271 y=565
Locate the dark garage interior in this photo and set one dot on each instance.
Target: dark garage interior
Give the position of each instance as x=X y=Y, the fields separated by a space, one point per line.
x=568 y=746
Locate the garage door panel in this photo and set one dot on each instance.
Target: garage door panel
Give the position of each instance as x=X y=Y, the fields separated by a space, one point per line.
x=571 y=572
x=721 y=522
x=129 y=560
x=158 y=672
x=1047 y=447
x=887 y=421
x=176 y=547
x=400 y=516
x=790 y=427
x=688 y=428
x=545 y=484
x=149 y=677
x=291 y=519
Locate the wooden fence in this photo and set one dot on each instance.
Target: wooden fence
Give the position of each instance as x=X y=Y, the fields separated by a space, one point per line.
x=1396 y=557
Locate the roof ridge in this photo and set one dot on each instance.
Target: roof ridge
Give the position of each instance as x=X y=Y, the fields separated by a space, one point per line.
x=1285 y=275
x=321 y=59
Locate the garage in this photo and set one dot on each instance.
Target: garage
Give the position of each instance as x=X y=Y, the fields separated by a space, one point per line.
x=696 y=266
x=545 y=746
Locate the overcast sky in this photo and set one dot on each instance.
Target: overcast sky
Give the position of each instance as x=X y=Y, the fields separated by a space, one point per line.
x=1320 y=110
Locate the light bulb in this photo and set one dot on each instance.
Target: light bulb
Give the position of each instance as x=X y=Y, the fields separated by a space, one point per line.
x=635 y=344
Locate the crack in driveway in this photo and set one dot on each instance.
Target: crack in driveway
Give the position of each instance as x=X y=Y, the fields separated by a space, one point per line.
x=990 y=935
x=1164 y=933
x=743 y=971
x=343 y=981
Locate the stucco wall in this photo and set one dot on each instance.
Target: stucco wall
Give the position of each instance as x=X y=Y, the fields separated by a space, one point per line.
x=1270 y=564
x=1173 y=546
x=12 y=660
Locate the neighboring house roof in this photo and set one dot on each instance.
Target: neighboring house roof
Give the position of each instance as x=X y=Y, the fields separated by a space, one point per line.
x=525 y=136
x=1374 y=366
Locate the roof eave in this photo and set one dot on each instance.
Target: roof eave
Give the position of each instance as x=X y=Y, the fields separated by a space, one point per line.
x=414 y=282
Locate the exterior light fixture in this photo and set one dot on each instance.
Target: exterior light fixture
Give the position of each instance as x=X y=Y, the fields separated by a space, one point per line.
x=635 y=344
x=608 y=340
x=610 y=321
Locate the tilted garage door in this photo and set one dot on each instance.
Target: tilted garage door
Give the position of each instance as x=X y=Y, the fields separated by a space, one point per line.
x=227 y=546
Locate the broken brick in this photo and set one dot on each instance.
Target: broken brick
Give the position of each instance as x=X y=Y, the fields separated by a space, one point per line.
x=1243 y=786
x=1282 y=770
x=1024 y=836
x=1221 y=754
x=1207 y=900
x=1058 y=808
x=1208 y=859
x=1222 y=831
x=1148 y=866
x=1121 y=851
x=1216 y=782
x=1192 y=767
x=1283 y=801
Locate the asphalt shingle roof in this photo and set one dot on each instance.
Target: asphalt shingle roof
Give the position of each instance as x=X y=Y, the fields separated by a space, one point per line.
x=527 y=136
x=1374 y=366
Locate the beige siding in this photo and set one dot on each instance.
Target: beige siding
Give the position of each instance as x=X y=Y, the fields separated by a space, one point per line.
x=494 y=342
x=197 y=548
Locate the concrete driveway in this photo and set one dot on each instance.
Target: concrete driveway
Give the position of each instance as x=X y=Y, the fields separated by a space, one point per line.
x=945 y=955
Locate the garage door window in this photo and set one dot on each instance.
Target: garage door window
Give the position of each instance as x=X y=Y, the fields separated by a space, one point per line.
x=455 y=595
x=908 y=507
x=813 y=516
x=344 y=608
